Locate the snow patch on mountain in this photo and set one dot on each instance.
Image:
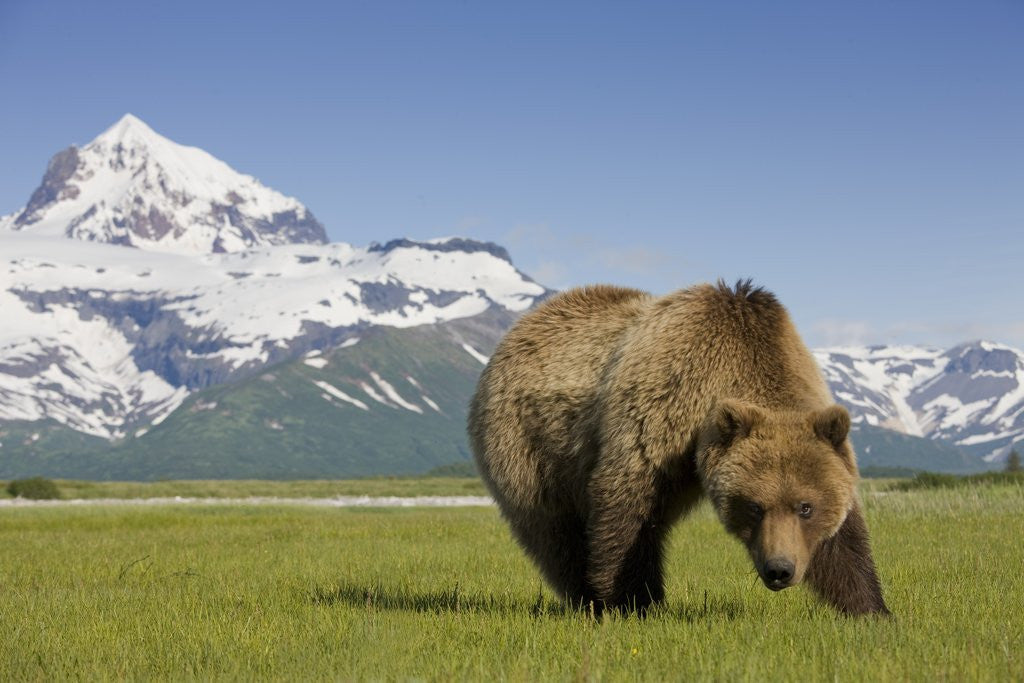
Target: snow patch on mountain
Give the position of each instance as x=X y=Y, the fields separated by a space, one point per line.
x=92 y=385
x=259 y=296
x=372 y=393
x=339 y=394
x=874 y=382
x=315 y=359
x=433 y=406
x=392 y=394
x=476 y=354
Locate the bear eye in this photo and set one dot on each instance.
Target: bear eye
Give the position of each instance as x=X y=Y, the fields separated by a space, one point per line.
x=756 y=511
x=806 y=510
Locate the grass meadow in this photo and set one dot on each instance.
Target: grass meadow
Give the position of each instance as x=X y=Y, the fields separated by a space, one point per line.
x=290 y=592
x=243 y=488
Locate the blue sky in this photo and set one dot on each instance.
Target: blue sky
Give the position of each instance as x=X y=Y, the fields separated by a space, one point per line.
x=863 y=160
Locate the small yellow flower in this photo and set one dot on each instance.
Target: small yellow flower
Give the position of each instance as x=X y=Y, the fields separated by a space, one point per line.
x=635 y=651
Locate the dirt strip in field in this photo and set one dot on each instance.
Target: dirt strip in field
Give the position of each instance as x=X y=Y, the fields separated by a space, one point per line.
x=337 y=502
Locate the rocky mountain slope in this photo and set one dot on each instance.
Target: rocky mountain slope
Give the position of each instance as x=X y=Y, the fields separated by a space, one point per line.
x=106 y=339
x=971 y=395
x=389 y=401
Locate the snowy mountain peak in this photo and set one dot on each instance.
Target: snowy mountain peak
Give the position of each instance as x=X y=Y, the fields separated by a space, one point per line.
x=445 y=244
x=128 y=130
x=132 y=186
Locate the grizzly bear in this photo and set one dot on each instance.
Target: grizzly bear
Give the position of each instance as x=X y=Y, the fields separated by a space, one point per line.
x=606 y=414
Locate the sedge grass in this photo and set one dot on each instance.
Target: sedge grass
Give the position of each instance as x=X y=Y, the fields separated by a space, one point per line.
x=286 y=593
x=243 y=488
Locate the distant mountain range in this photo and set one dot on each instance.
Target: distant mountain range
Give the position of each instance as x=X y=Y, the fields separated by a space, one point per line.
x=166 y=316
x=970 y=396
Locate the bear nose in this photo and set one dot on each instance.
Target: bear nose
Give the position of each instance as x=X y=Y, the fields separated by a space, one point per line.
x=778 y=571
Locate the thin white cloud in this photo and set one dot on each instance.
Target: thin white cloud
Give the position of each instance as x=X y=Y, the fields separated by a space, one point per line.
x=552 y=274
x=633 y=260
x=831 y=332
x=535 y=244
x=838 y=332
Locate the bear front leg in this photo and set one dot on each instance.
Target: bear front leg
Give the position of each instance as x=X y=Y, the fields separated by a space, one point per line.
x=842 y=571
x=625 y=537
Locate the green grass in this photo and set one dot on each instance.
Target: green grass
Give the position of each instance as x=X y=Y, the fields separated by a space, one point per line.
x=292 y=593
x=243 y=488
x=935 y=480
x=886 y=472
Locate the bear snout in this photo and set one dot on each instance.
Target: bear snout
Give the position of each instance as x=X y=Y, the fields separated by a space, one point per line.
x=778 y=572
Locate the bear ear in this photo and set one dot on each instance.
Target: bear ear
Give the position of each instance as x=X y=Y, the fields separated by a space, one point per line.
x=731 y=419
x=832 y=424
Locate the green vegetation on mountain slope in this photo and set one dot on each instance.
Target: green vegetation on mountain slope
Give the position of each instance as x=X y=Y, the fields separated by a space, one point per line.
x=287 y=422
x=884 y=448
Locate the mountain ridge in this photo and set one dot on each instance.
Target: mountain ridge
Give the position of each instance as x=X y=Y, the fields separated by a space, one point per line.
x=108 y=339
x=970 y=395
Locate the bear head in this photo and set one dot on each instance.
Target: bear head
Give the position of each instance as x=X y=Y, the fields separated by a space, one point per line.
x=780 y=481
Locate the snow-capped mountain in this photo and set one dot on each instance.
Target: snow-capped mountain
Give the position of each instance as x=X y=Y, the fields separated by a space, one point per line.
x=971 y=395
x=230 y=276
x=134 y=187
x=100 y=337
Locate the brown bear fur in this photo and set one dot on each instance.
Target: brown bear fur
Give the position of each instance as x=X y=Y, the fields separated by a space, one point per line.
x=604 y=416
